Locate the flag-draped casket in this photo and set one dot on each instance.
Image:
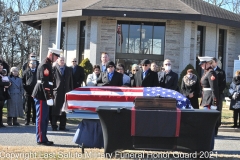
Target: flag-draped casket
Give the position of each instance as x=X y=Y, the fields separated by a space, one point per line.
x=89 y=98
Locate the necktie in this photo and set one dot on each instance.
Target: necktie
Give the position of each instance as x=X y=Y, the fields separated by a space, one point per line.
x=144 y=74
x=110 y=76
x=62 y=71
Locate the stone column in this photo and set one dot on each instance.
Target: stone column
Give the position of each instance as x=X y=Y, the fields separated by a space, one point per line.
x=72 y=40
x=94 y=39
x=185 y=45
x=44 y=39
x=211 y=40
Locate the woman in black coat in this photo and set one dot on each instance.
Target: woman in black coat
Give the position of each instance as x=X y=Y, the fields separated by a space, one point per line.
x=191 y=88
x=235 y=100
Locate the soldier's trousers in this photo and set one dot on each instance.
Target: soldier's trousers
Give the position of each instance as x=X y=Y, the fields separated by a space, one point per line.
x=42 y=117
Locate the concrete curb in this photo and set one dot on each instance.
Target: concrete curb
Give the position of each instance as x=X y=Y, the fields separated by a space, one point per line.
x=228 y=129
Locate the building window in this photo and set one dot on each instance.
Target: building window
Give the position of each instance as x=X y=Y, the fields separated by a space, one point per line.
x=139 y=40
x=221 y=47
x=62 y=39
x=82 y=41
x=200 y=47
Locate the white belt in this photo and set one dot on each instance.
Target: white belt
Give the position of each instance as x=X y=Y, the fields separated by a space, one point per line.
x=50 y=83
x=207 y=89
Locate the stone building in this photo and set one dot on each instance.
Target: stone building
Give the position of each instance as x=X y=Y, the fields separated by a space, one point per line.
x=131 y=30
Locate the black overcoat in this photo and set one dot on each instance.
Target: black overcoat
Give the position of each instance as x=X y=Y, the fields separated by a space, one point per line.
x=150 y=80
x=61 y=85
x=78 y=76
x=117 y=79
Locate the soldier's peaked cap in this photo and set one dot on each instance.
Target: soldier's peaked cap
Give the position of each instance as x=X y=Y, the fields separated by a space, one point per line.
x=204 y=59
x=55 y=51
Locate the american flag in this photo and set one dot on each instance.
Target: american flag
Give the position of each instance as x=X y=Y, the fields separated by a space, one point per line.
x=89 y=98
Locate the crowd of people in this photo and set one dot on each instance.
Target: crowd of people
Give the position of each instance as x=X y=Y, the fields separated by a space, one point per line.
x=44 y=85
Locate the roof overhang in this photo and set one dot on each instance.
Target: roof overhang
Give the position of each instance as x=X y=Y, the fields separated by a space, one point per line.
x=34 y=20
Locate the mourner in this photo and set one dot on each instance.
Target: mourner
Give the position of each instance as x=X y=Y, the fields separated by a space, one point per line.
x=209 y=85
x=62 y=83
x=110 y=77
x=167 y=78
x=2 y=99
x=32 y=57
x=14 y=104
x=104 y=60
x=234 y=90
x=78 y=74
x=29 y=80
x=221 y=77
x=92 y=78
x=43 y=95
x=145 y=77
x=154 y=67
x=126 y=78
x=4 y=64
x=135 y=68
x=190 y=88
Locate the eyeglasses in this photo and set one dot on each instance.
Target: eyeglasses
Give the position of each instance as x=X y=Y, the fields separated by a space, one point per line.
x=167 y=64
x=135 y=70
x=145 y=65
x=74 y=61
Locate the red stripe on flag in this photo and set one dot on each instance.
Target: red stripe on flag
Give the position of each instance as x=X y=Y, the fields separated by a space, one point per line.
x=178 y=122
x=82 y=108
x=112 y=89
x=133 y=121
x=109 y=98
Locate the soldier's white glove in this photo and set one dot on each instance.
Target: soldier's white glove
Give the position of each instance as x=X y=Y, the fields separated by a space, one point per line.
x=235 y=95
x=50 y=102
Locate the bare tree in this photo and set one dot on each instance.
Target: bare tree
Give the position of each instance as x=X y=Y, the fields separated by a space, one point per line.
x=231 y=5
x=18 y=40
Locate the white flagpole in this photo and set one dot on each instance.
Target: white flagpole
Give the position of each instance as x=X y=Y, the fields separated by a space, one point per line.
x=59 y=21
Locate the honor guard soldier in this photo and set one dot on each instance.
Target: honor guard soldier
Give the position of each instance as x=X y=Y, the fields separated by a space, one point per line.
x=209 y=84
x=42 y=95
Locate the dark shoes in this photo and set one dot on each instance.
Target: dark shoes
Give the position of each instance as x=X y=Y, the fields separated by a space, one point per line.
x=60 y=129
x=63 y=129
x=1 y=125
x=16 y=124
x=27 y=123
x=48 y=143
x=54 y=129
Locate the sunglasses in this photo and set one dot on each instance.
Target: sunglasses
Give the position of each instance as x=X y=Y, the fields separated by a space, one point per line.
x=135 y=70
x=110 y=66
x=145 y=65
x=74 y=61
x=167 y=64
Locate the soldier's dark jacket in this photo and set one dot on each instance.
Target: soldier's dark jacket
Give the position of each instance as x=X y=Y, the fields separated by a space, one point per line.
x=43 y=90
x=209 y=80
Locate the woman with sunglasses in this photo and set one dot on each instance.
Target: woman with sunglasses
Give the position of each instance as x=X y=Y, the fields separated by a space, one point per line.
x=135 y=68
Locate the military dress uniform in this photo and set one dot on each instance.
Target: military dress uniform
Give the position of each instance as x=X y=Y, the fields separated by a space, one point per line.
x=42 y=95
x=209 y=85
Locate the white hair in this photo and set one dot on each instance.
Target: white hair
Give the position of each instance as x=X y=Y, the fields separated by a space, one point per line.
x=14 y=69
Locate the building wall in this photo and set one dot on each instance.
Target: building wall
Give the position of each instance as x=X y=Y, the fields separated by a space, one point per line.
x=180 y=40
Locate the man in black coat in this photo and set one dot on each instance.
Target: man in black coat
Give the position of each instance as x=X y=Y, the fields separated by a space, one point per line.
x=32 y=57
x=78 y=74
x=167 y=78
x=29 y=80
x=110 y=77
x=145 y=77
x=221 y=77
x=62 y=83
x=2 y=85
